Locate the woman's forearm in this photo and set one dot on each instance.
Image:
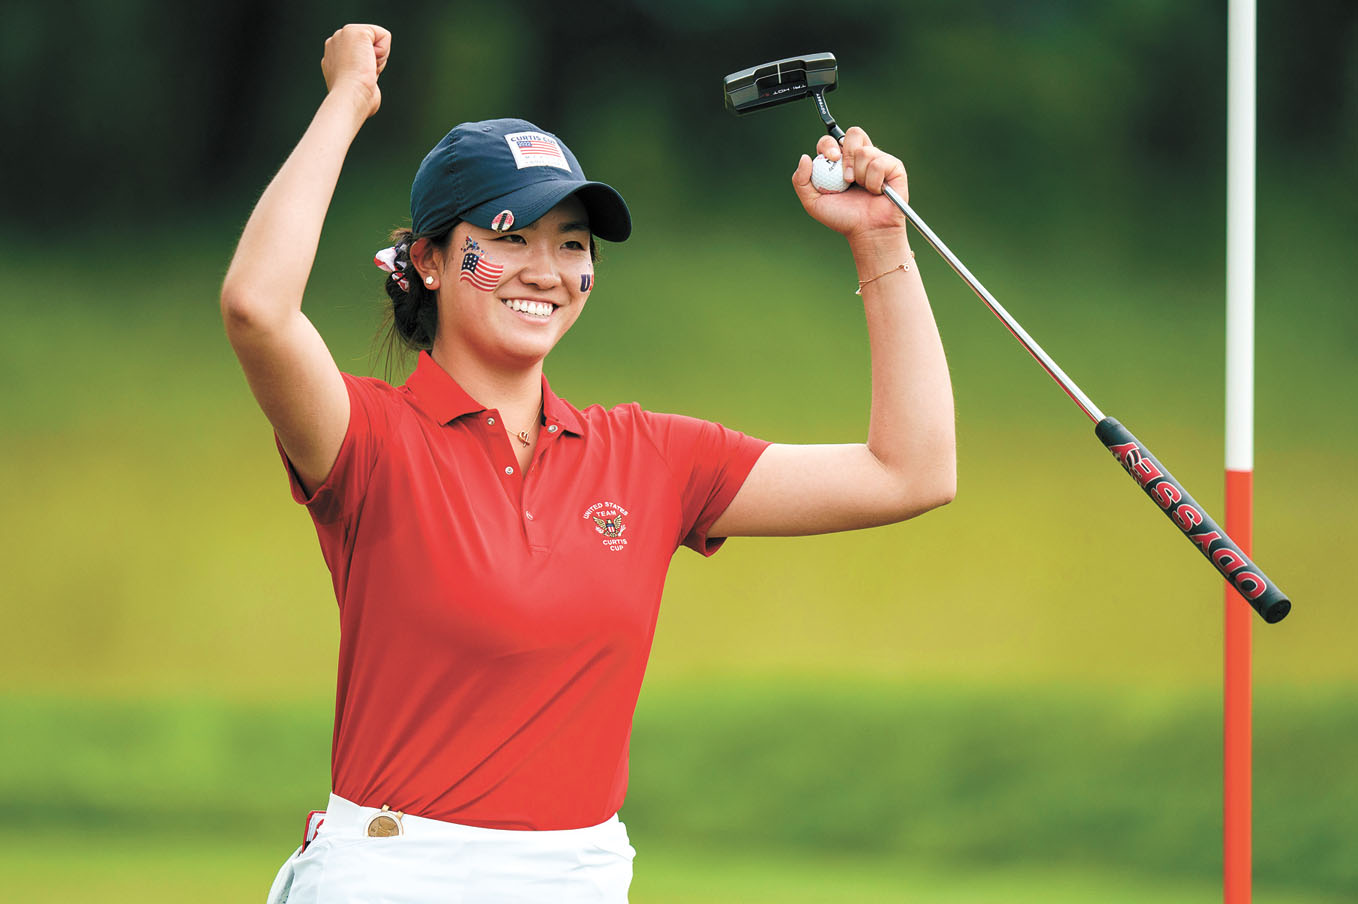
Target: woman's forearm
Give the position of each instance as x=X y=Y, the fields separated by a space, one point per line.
x=911 y=425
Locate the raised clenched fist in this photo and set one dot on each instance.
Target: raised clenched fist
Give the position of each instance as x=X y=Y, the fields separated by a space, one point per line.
x=354 y=57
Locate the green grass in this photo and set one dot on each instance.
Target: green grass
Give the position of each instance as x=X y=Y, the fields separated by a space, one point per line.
x=130 y=869
x=691 y=877
x=983 y=776
x=1037 y=781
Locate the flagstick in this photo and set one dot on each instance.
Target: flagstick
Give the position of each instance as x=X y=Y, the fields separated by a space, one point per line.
x=1237 y=763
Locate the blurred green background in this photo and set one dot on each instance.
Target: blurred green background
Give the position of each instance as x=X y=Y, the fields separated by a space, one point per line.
x=1015 y=698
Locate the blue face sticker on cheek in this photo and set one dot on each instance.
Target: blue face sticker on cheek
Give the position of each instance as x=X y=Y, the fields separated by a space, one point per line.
x=586 y=281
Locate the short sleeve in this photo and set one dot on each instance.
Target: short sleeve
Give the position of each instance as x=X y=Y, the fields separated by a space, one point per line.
x=343 y=488
x=710 y=463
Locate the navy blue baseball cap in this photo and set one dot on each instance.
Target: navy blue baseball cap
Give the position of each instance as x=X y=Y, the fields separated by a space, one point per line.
x=504 y=174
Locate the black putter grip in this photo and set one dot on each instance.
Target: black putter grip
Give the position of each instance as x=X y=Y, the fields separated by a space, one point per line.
x=1242 y=574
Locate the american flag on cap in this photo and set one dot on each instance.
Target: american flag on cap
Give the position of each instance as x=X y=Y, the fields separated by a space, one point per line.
x=536 y=149
x=539 y=145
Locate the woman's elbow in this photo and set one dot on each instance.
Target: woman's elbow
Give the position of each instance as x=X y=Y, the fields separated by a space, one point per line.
x=239 y=309
x=928 y=481
x=947 y=483
x=246 y=314
x=941 y=492
x=928 y=492
x=937 y=477
x=947 y=494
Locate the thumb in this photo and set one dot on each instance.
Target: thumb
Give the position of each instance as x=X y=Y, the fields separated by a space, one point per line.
x=801 y=181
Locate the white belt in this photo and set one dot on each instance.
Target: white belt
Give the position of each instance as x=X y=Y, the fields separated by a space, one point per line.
x=590 y=864
x=346 y=819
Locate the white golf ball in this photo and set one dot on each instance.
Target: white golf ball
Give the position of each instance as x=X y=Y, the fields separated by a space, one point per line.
x=826 y=175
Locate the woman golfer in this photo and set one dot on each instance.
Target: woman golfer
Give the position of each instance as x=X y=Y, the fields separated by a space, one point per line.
x=497 y=553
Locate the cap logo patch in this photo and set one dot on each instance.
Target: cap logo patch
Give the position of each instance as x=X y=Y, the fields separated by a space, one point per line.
x=503 y=222
x=536 y=149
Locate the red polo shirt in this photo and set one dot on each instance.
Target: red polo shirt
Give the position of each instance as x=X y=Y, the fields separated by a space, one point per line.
x=494 y=625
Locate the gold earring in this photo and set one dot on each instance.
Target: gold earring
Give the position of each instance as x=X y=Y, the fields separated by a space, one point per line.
x=429 y=280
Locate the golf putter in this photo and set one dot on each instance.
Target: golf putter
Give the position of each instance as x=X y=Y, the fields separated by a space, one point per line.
x=815 y=75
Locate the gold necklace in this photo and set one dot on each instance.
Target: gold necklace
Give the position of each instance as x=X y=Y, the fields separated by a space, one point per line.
x=522 y=435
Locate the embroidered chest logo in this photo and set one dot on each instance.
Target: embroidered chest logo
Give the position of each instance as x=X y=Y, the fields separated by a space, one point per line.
x=609 y=519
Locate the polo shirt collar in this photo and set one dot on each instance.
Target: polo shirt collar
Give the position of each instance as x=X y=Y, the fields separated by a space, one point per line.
x=440 y=395
x=557 y=411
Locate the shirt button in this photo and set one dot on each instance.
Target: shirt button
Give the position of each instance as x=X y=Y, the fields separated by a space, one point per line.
x=491 y=421
x=509 y=472
x=528 y=515
x=551 y=429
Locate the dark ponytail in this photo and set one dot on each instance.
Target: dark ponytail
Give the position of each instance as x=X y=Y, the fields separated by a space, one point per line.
x=411 y=321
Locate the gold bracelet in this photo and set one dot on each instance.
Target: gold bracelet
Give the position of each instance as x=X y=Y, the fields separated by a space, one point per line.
x=905 y=268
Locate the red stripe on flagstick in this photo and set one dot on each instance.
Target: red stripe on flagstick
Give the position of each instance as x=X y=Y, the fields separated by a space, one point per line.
x=1238 y=754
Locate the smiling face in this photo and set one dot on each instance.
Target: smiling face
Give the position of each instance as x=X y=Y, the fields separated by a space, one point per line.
x=506 y=299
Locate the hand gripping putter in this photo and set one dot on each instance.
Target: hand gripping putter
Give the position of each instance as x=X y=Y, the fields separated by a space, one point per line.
x=813 y=75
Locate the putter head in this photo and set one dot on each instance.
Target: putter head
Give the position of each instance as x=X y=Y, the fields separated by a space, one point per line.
x=770 y=84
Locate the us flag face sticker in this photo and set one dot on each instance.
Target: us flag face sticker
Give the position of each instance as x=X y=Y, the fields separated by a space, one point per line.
x=477 y=270
x=536 y=149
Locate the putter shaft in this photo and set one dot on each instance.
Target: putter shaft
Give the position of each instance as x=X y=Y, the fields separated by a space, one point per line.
x=1051 y=367
x=1041 y=357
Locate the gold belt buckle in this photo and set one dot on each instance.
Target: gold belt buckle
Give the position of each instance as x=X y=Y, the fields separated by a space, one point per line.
x=386 y=824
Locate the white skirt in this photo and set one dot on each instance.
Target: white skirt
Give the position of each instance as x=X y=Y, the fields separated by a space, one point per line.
x=435 y=861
